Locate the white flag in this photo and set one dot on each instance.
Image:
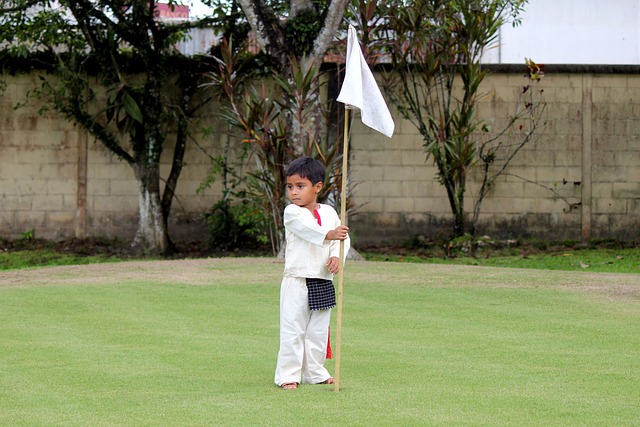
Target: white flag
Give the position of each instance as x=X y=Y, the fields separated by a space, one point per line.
x=360 y=89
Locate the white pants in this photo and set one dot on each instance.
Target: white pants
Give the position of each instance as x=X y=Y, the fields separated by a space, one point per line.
x=303 y=336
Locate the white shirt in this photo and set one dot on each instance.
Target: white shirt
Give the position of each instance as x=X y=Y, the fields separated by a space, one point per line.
x=307 y=251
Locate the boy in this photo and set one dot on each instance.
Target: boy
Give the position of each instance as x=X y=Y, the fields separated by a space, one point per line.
x=313 y=232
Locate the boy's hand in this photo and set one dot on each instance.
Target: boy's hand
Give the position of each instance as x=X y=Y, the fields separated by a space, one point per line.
x=339 y=233
x=333 y=264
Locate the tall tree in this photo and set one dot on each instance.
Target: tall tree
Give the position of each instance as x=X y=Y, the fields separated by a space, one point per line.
x=296 y=39
x=109 y=64
x=283 y=120
x=304 y=31
x=436 y=47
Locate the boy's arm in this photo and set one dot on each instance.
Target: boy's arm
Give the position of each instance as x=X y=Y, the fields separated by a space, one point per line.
x=304 y=226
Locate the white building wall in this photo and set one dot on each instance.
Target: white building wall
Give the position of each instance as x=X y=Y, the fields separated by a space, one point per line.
x=572 y=32
x=198 y=42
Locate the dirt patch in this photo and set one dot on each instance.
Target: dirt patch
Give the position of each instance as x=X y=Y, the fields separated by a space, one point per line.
x=217 y=271
x=204 y=271
x=196 y=263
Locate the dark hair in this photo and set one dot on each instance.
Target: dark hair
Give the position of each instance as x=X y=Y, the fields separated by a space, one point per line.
x=307 y=167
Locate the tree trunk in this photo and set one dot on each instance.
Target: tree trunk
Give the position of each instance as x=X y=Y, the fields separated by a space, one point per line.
x=152 y=237
x=460 y=226
x=455 y=194
x=182 y=135
x=270 y=35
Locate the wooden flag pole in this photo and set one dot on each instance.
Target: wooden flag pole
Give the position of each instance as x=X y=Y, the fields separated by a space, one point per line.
x=343 y=221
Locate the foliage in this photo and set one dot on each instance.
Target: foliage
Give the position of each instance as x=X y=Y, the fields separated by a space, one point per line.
x=495 y=152
x=274 y=116
x=30 y=252
x=435 y=49
x=229 y=18
x=255 y=114
x=108 y=65
x=238 y=218
x=370 y=18
x=47 y=257
x=304 y=28
x=235 y=225
x=30 y=234
x=283 y=116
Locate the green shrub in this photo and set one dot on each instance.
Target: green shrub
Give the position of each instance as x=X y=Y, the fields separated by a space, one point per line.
x=233 y=226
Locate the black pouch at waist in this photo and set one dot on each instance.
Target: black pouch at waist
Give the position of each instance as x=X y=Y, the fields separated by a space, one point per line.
x=322 y=294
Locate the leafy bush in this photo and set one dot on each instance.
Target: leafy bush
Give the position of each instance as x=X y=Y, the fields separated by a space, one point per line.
x=238 y=225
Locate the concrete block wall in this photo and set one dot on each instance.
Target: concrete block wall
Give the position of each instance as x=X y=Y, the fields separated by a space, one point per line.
x=615 y=134
x=580 y=179
x=112 y=197
x=37 y=167
x=59 y=182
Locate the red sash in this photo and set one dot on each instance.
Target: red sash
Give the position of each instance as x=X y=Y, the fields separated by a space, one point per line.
x=329 y=354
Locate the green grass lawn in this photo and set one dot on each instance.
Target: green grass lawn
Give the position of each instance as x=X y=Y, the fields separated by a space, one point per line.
x=194 y=343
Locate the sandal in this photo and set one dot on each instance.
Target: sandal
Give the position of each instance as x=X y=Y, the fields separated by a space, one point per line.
x=329 y=380
x=289 y=386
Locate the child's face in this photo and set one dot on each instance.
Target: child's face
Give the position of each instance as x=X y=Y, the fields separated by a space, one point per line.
x=301 y=192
